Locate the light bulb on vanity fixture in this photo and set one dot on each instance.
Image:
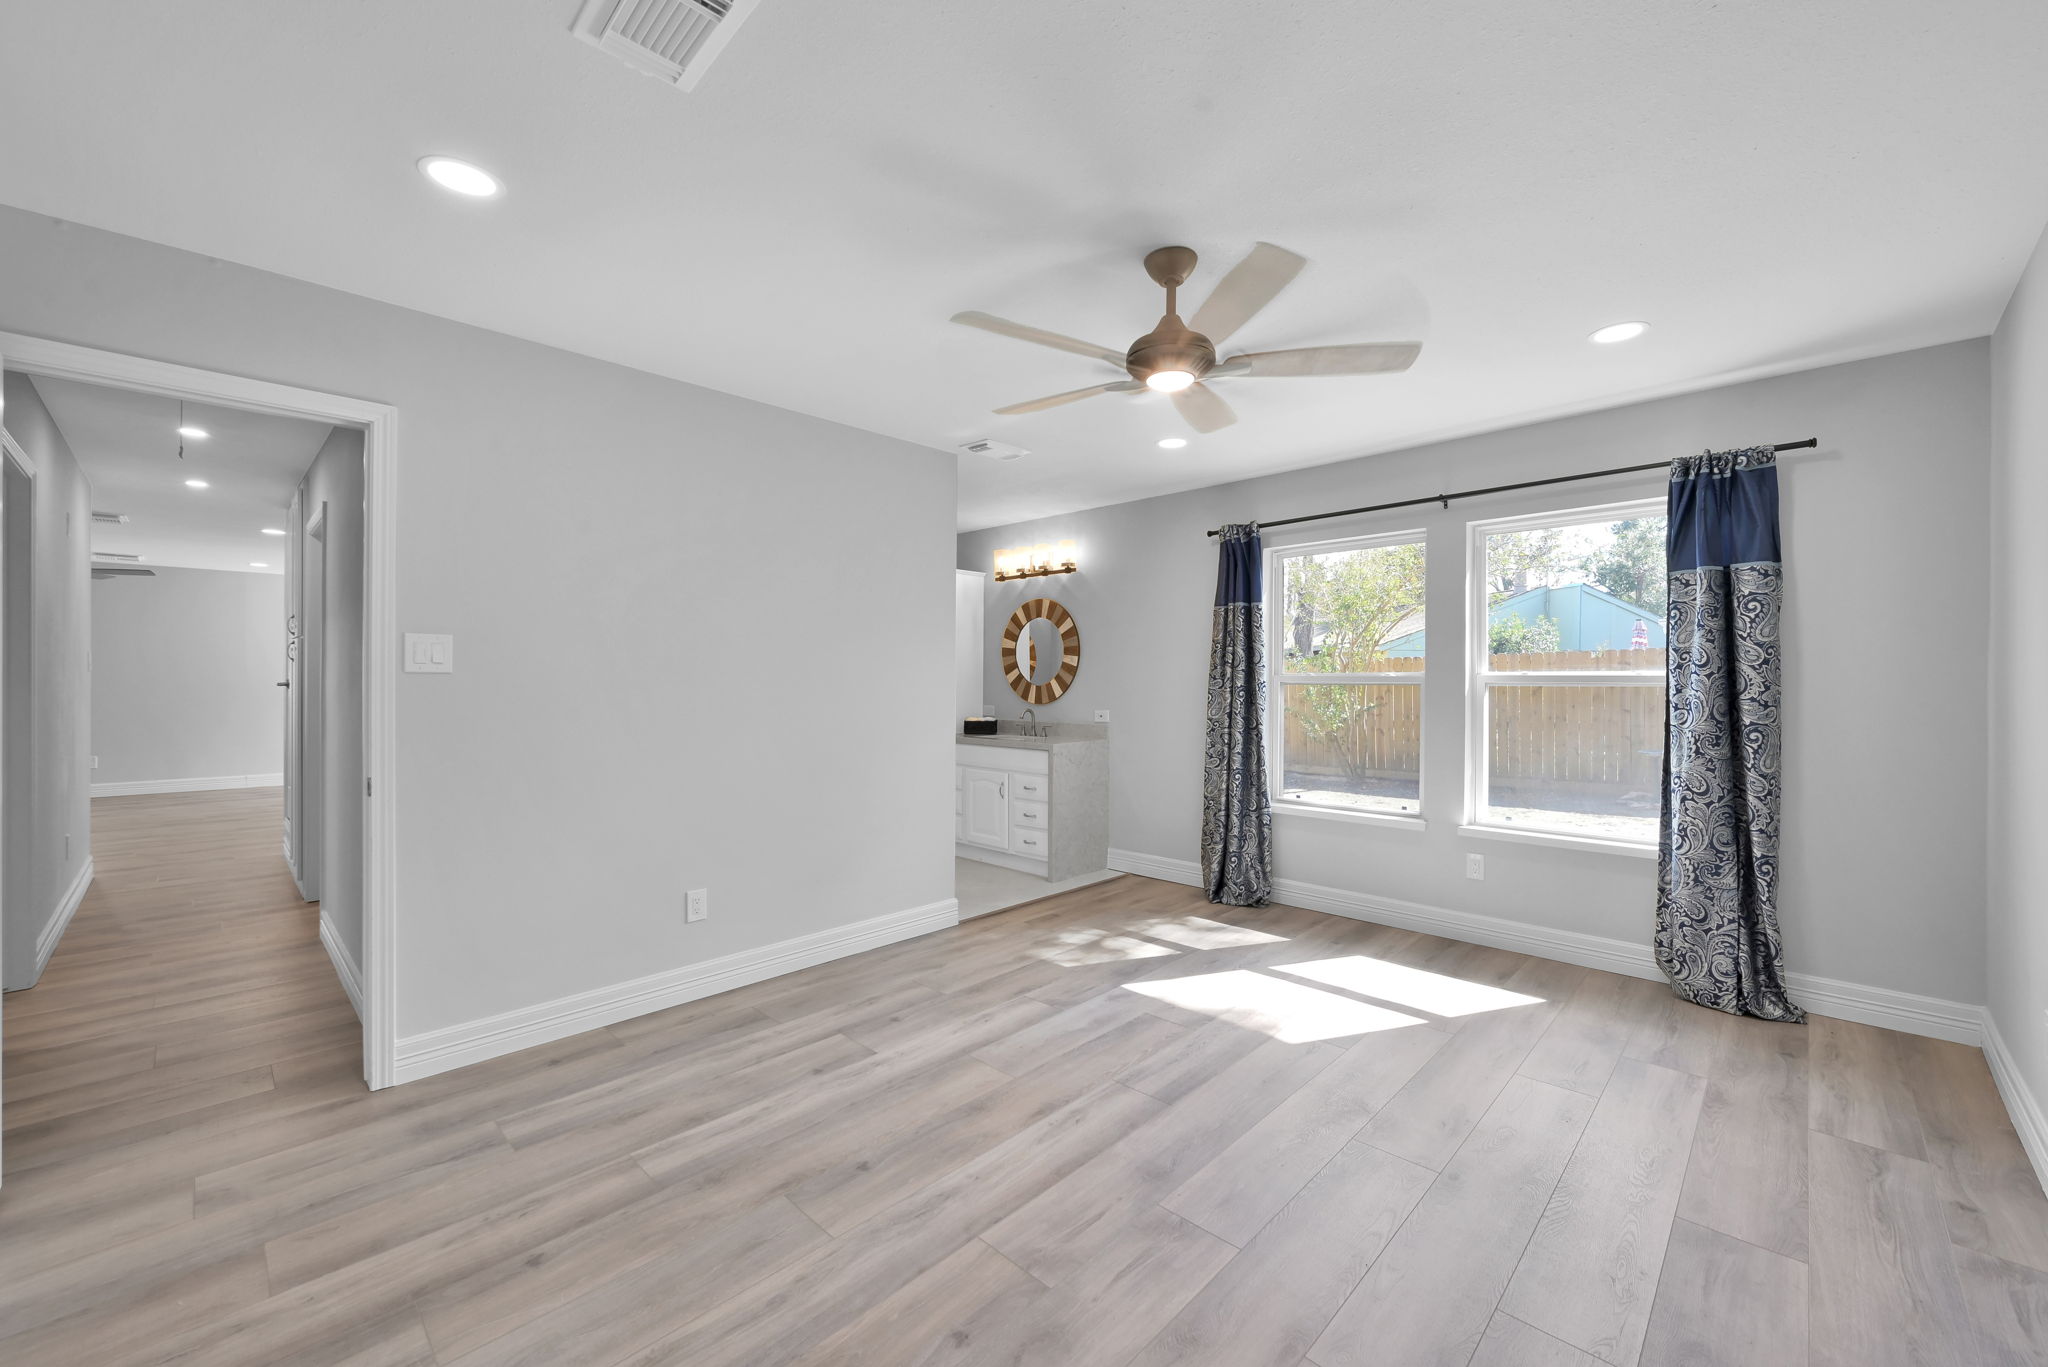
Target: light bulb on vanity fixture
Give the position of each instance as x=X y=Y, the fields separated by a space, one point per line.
x=1032 y=562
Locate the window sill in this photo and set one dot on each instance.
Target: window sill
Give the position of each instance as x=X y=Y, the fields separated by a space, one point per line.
x=1627 y=848
x=1394 y=820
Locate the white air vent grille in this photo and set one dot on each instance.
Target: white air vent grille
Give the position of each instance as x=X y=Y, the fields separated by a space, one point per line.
x=672 y=39
x=109 y=519
x=113 y=555
x=994 y=450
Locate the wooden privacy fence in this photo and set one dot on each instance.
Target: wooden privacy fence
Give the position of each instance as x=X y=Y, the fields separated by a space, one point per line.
x=1561 y=737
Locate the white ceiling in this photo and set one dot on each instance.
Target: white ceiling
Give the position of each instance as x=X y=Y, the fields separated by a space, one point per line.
x=1772 y=185
x=128 y=443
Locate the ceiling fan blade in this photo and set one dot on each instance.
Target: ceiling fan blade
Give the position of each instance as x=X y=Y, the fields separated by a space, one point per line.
x=1071 y=396
x=1364 y=358
x=1249 y=287
x=1025 y=333
x=1203 y=409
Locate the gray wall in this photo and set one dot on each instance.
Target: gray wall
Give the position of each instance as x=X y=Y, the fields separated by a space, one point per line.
x=60 y=719
x=185 y=671
x=1885 y=627
x=635 y=571
x=336 y=479
x=2018 y=664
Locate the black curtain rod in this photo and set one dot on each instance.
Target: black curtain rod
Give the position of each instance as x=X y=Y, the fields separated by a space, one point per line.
x=1445 y=499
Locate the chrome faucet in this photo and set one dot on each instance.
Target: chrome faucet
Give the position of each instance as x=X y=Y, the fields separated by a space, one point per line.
x=1027 y=721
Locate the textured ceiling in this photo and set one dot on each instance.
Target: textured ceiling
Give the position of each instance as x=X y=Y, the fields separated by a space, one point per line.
x=127 y=443
x=1772 y=185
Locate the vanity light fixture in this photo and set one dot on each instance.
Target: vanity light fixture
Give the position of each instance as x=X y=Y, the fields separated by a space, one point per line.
x=1032 y=562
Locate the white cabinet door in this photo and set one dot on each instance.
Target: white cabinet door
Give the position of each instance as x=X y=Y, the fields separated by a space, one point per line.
x=985 y=814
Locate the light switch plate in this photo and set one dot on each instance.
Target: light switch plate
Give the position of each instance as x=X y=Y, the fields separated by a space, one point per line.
x=1102 y=716
x=427 y=654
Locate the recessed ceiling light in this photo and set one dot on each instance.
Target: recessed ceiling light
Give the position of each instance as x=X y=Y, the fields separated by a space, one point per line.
x=460 y=176
x=193 y=433
x=259 y=564
x=1169 y=381
x=1619 y=332
x=273 y=531
x=1172 y=443
x=195 y=484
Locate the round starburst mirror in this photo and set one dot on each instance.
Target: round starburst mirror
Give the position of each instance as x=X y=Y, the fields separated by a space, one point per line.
x=1041 y=651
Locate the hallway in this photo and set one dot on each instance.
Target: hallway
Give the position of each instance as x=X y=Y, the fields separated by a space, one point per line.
x=189 y=991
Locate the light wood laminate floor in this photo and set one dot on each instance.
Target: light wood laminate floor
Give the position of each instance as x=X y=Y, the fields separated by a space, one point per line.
x=1117 y=1127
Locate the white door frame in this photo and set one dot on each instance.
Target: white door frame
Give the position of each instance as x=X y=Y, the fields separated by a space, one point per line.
x=38 y=356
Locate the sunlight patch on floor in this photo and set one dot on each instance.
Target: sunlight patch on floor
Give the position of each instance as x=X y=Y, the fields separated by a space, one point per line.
x=1078 y=948
x=1290 y=1012
x=1196 y=932
x=1432 y=992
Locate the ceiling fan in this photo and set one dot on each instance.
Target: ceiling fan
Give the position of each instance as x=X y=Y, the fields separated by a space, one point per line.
x=1179 y=359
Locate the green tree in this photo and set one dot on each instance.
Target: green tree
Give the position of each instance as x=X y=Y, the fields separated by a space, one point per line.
x=1519 y=561
x=1632 y=566
x=1514 y=636
x=1341 y=611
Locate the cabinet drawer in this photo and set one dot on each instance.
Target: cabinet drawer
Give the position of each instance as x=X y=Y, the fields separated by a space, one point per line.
x=1025 y=812
x=1032 y=787
x=1029 y=842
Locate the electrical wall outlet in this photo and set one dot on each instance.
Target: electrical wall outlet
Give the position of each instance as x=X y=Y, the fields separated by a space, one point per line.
x=1475 y=866
x=1102 y=716
x=697 y=904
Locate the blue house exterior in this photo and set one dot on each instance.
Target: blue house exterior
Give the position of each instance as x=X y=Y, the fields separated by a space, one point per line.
x=1587 y=618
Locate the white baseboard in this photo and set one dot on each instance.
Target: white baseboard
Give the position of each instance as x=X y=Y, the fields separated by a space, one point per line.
x=186 y=785
x=2020 y=1102
x=456 y=1046
x=53 y=929
x=344 y=964
x=1881 y=1006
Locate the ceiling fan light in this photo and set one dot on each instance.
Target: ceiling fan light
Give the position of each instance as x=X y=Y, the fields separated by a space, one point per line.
x=1169 y=381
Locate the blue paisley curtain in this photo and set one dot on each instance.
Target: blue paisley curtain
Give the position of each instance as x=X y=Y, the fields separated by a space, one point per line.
x=1237 y=813
x=1717 y=862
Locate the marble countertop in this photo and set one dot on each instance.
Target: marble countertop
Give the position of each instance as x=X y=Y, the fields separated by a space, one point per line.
x=1007 y=740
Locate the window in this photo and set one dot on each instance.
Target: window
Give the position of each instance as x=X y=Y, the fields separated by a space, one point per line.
x=1346 y=652
x=1567 y=724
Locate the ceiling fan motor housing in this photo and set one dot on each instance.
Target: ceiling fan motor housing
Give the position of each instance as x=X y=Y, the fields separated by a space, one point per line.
x=1172 y=345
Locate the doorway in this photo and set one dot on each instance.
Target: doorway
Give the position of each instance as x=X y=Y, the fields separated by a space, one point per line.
x=373 y=621
x=18 y=964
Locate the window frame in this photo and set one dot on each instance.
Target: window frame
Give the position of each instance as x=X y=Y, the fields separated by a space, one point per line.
x=1277 y=679
x=1480 y=680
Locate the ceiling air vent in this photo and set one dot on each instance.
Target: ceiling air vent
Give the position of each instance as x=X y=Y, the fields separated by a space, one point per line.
x=109 y=519
x=672 y=39
x=994 y=450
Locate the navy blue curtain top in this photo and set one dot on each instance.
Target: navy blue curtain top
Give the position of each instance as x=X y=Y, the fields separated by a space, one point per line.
x=1240 y=565
x=1723 y=509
